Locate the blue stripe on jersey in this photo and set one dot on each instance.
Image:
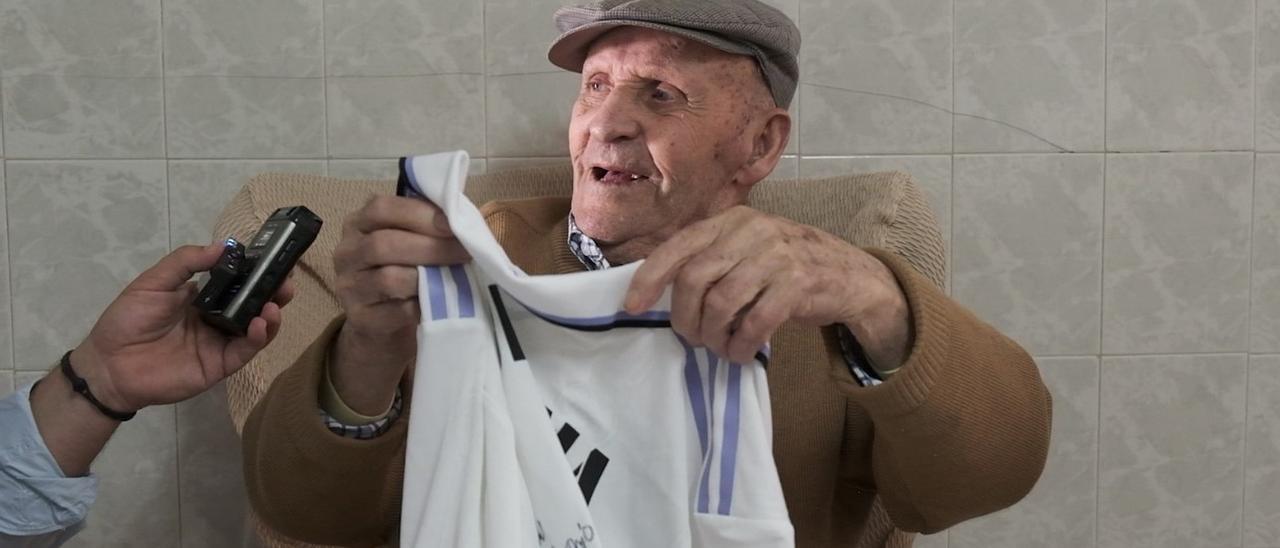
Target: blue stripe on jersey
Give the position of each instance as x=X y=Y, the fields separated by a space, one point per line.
x=466 y=303
x=693 y=385
x=435 y=293
x=704 y=490
x=729 y=453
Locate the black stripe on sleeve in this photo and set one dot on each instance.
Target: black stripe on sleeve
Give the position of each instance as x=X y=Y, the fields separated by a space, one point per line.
x=517 y=353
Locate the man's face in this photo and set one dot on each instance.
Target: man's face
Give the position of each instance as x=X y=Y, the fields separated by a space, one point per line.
x=660 y=129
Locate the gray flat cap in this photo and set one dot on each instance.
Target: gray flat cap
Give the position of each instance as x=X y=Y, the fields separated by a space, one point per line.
x=743 y=27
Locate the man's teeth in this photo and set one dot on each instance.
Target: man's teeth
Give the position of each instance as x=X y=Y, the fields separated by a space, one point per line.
x=603 y=173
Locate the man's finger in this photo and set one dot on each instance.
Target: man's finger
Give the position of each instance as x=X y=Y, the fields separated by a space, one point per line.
x=397 y=212
x=405 y=248
x=386 y=316
x=286 y=292
x=689 y=290
x=377 y=285
x=762 y=319
x=241 y=350
x=174 y=269
x=726 y=300
x=188 y=293
x=660 y=268
x=261 y=331
x=271 y=313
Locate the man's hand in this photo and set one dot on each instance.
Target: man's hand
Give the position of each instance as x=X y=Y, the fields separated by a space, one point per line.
x=740 y=274
x=377 y=285
x=150 y=346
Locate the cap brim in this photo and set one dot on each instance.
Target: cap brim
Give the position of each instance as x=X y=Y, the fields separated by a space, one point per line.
x=569 y=51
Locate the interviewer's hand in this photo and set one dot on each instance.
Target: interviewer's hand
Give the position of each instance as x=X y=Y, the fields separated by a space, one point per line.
x=150 y=346
x=377 y=285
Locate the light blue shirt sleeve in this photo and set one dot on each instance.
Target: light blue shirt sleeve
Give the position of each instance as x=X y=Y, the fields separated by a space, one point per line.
x=39 y=505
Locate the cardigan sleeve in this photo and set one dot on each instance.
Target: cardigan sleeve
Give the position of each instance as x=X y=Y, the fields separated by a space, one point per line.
x=963 y=428
x=292 y=460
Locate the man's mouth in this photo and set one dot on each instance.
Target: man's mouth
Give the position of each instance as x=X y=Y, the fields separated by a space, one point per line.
x=615 y=176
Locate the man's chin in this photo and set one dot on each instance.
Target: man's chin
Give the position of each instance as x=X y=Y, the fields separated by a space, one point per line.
x=606 y=226
x=606 y=233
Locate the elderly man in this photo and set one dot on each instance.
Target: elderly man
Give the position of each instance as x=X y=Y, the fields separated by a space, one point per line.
x=931 y=419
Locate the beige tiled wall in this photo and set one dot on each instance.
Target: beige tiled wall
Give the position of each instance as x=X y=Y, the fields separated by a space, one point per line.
x=1107 y=173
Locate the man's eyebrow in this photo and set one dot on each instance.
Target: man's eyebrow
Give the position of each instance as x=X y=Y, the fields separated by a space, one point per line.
x=649 y=75
x=655 y=78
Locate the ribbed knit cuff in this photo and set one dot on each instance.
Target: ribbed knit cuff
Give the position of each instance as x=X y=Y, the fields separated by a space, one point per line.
x=302 y=403
x=331 y=402
x=909 y=387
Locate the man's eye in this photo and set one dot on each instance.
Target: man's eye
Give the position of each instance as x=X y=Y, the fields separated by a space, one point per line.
x=662 y=95
x=595 y=86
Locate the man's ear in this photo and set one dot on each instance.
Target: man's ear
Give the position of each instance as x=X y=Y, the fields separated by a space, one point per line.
x=767 y=147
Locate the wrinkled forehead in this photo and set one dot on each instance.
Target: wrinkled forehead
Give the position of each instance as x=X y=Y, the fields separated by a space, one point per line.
x=636 y=47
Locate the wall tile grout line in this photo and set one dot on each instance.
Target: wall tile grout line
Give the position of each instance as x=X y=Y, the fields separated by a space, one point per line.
x=8 y=279
x=324 y=74
x=27 y=159
x=168 y=201
x=175 y=159
x=951 y=231
x=799 y=101
x=1248 y=325
x=1102 y=316
x=66 y=76
x=951 y=185
x=1269 y=355
x=952 y=83
x=1102 y=277
x=1244 y=450
x=1106 y=72
x=484 y=77
x=1157 y=354
x=4 y=194
x=1248 y=367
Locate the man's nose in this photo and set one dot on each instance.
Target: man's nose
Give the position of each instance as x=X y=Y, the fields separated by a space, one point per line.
x=615 y=120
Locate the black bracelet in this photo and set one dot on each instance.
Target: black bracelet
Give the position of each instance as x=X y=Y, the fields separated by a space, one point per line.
x=81 y=387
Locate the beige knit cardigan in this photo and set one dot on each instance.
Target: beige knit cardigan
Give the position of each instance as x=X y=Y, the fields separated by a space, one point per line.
x=962 y=429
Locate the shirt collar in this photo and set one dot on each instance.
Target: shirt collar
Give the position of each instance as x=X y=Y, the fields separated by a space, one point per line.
x=584 y=248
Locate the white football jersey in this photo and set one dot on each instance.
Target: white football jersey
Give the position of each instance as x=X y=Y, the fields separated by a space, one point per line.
x=543 y=416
